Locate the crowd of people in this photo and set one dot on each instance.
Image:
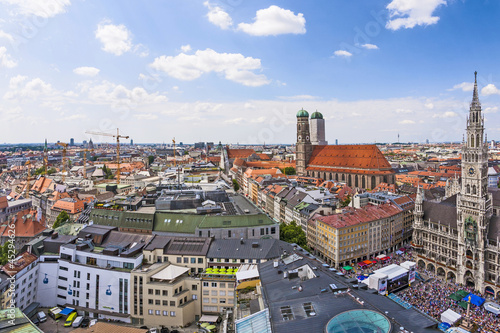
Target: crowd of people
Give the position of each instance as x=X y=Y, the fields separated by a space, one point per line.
x=431 y=296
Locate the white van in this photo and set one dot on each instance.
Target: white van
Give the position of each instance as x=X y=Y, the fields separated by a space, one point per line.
x=77 y=322
x=41 y=316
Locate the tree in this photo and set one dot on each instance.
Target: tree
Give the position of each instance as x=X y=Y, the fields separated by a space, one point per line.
x=39 y=171
x=4 y=253
x=293 y=233
x=151 y=158
x=289 y=171
x=236 y=186
x=346 y=201
x=63 y=217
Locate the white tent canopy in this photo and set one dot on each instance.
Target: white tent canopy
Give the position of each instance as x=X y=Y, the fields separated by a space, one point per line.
x=492 y=307
x=450 y=317
x=208 y=318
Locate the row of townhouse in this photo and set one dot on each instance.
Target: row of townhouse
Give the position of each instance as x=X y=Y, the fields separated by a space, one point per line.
x=135 y=278
x=358 y=234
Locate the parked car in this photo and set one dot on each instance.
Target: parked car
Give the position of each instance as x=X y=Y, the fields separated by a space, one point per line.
x=41 y=316
x=55 y=313
x=77 y=322
x=153 y=330
x=70 y=319
x=85 y=322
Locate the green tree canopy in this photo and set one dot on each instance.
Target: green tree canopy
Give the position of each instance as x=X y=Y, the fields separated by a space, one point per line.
x=151 y=158
x=293 y=233
x=236 y=186
x=63 y=217
x=289 y=171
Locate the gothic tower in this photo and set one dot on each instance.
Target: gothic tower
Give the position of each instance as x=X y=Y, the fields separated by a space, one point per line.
x=317 y=129
x=304 y=147
x=474 y=204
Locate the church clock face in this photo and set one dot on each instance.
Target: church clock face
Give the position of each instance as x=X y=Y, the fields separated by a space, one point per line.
x=472 y=171
x=299 y=138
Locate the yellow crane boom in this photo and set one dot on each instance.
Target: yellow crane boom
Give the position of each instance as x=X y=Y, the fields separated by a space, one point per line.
x=64 y=160
x=117 y=136
x=28 y=179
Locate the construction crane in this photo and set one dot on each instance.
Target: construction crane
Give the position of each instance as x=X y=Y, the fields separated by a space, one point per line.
x=117 y=136
x=85 y=151
x=28 y=185
x=175 y=157
x=45 y=159
x=64 y=159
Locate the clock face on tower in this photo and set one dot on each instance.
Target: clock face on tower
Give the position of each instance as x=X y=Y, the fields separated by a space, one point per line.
x=472 y=171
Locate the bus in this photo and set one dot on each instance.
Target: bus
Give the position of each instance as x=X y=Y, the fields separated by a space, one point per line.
x=70 y=319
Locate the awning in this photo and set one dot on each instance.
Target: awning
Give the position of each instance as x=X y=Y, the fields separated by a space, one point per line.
x=361 y=264
x=474 y=299
x=209 y=319
x=399 y=252
x=368 y=262
x=347 y=268
x=67 y=311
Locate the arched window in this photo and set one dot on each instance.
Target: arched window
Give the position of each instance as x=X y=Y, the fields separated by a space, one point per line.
x=472 y=141
x=343 y=177
x=349 y=181
x=474 y=189
x=373 y=183
x=478 y=142
x=363 y=182
x=356 y=183
x=468 y=189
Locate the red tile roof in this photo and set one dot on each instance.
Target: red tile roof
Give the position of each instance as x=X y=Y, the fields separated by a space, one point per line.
x=349 y=158
x=239 y=153
x=353 y=216
x=21 y=262
x=23 y=227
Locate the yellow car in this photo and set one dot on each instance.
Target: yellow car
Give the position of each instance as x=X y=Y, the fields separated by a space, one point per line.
x=71 y=318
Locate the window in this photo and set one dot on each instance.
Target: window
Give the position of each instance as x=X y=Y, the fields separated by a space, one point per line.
x=165 y=293
x=128 y=265
x=157 y=292
x=150 y=311
x=222 y=284
x=62 y=268
x=186 y=260
x=194 y=287
x=88 y=286
x=157 y=302
x=214 y=284
x=222 y=293
x=273 y=230
x=206 y=292
x=157 y=312
x=150 y=301
x=165 y=313
x=88 y=276
x=63 y=278
x=222 y=300
x=262 y=232
x=205 y=284
x=200 y=260
x=172 y=313
x=165 y=303
x=150 y=291
x=206 y=300
x=179 y=260
x=214 y=292
x=214 y=300
x=172 y=303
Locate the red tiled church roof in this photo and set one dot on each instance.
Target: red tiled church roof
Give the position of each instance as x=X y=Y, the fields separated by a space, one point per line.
x=348 y=158
x=239 y=153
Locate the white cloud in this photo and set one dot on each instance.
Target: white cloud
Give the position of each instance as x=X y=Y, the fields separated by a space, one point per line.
x=234 y=66
x=5 y=59
x=118 y=95
x=86 y=71
x=298 y=98
x=274 y=21
x=447 y=114
x=342 y=53
x=141 y=50
x=115 y=39
x=493 y=109
x=406 y=122
x=410 y=13
x=73 y=117
x=217 y=16
x=370 y=46
x=31 y=90
x=145 y=116
x=5 y=35
x=186 y=48
x=41 y=8
x=403 y=110
x=465 y=86
x=490 y=89
x=429 y=105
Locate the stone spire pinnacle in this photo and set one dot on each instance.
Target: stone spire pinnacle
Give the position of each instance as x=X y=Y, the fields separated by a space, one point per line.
x=475 y=95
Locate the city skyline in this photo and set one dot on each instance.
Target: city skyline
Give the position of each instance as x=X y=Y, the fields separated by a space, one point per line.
x=236 y=71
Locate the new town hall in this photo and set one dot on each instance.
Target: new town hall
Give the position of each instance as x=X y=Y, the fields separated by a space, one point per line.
x=458 y=238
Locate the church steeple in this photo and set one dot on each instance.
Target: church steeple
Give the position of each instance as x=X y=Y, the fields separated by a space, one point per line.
x=475 y=95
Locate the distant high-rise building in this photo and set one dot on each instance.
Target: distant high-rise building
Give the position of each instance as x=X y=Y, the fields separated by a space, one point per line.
x=493 y=144
x=427 y=141
x=71 y=142
x=336 y=142
x=91 y=144
x=210 y=145
x=84 y=143
x=199 y=145
x=131 y=142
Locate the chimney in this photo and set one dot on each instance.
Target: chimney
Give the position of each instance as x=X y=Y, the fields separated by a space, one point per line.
x=54 y=235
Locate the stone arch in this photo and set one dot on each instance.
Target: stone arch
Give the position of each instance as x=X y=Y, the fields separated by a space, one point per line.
x=440 y=272
x=469 y=253
x=469 y=279
x=451 y=276
x=421 y=264
x=363 y=182
x=431 y=268
x=489 y=291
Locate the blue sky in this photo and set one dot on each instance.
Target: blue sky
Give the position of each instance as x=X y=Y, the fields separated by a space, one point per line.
x=238 y=71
